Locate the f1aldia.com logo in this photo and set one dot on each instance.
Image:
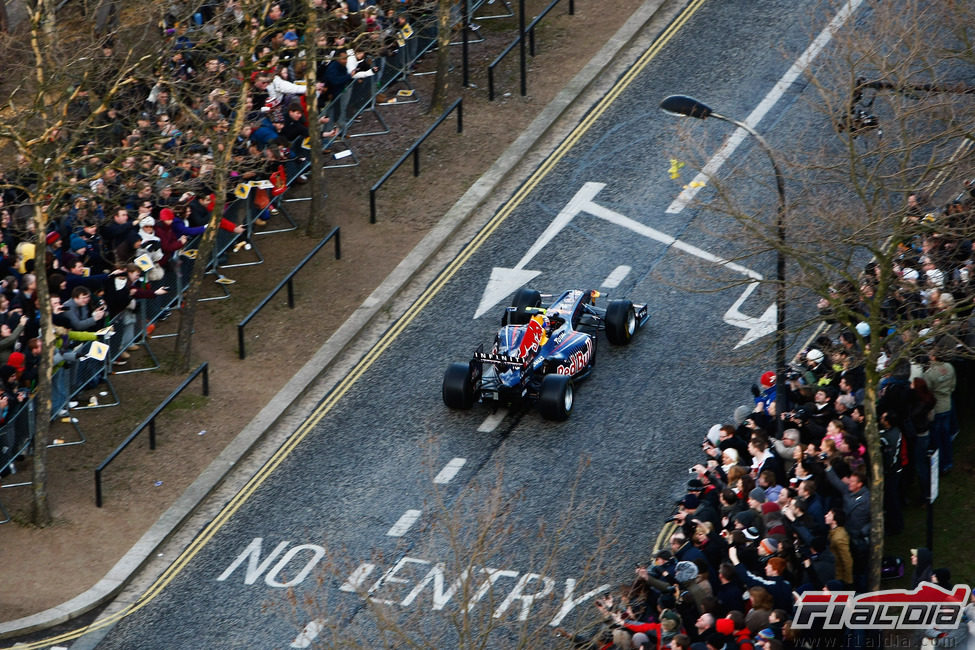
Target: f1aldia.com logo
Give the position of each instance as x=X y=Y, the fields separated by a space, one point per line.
x=921 y=608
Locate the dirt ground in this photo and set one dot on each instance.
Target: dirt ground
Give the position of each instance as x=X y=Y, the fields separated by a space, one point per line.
x=59 y=562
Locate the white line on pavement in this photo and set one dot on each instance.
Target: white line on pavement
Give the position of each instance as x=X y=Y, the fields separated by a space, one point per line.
x=354 y=582
x=797 y=68
x=613 y=279
x=449 y=471
x=308 y=634
x=400 y=527
x=492 y=421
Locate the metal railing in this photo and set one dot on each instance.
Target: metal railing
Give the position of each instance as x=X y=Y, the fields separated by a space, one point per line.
x=519 y=40
x=414 y=151
x=150 y=422
x=285 y=282
x=16 y=438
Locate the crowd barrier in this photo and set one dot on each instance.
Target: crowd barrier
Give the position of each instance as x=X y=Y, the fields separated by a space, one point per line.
x=286 y=281
x=519 y=40
x=150 y=422
x=16 y=437
x=86 y=372
x=414 y=151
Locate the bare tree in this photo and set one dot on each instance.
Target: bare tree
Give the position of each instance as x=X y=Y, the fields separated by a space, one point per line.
x=441 y=81
x=51 y=122
x=462 y=590
x=889 y=121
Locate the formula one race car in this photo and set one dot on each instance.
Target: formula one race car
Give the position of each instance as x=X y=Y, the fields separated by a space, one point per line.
x=539 y=352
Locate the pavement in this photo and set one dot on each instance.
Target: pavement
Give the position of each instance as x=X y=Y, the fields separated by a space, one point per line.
x=124 y=582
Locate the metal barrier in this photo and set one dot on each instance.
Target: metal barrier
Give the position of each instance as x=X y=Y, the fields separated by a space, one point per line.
x=414 y=150
x=519 y=40
x=16 y=438
x=531 y=26
x=150 y=422
x=286 y=281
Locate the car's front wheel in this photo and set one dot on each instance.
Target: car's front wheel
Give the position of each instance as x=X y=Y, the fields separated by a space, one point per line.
x=523 y=300
x=620 y=322
x=556 y=397
x=458 y=386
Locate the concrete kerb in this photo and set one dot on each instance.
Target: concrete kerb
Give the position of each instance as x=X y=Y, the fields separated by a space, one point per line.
x=361 y=318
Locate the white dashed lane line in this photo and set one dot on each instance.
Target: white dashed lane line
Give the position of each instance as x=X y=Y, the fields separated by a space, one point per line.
x=613 y=279
x=405 y=522
x=449 y=471
x=492 y=421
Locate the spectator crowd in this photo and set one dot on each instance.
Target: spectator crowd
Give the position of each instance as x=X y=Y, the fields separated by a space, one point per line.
x=779 y=504
x=141 y=171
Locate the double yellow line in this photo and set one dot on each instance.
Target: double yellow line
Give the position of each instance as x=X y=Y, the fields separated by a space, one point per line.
x=366 y=362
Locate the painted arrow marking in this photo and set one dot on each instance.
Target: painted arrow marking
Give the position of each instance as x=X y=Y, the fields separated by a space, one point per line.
x=505 y=281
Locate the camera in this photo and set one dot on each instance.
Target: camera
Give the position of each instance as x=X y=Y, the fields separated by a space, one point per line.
x=691 y=470
x=823 y=456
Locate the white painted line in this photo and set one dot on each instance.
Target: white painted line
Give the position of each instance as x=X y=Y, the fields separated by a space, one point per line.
x=797 y=68
x=354 y=582
x=613 y=279
x=449 y=471
x=400 y=527
x=492 y=421
x=308 y=634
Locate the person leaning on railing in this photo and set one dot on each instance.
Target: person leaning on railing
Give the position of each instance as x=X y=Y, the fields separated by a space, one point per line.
x=121 y=294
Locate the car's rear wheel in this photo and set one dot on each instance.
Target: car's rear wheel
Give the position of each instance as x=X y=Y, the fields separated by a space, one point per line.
x=556 y=397
x=620 y=322
x=524 y=300
x=458 y=386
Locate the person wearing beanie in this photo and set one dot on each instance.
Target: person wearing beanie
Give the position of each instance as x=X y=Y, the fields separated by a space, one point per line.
x=766 y=634
x=78 y=245
x=756 y=498
x=54 y=253
x=17 y=360
x=940 y=577
x=768 y=547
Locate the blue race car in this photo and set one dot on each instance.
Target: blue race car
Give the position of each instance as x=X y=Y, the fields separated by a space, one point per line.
x=540 y=352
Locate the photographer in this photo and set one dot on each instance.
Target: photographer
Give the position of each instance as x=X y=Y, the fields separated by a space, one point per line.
x=812 y=418
x=79 y=313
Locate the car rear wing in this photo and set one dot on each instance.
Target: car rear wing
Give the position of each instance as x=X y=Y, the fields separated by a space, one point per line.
x=498 y=358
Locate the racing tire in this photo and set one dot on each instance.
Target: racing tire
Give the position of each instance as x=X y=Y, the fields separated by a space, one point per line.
x=523 y=300
x=458 y=386
x=620 y=322
x=556 y=397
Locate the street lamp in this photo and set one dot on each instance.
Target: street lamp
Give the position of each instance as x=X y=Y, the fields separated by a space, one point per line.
x=689 y=107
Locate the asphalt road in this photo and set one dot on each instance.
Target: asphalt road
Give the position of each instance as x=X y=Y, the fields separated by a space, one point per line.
x=574 y=503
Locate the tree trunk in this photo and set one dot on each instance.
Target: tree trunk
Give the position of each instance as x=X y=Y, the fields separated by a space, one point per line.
x=40 y=507
x=316 y=177
x=440 y=82
x=187 y=314
x=876 y=456
x=49 y=20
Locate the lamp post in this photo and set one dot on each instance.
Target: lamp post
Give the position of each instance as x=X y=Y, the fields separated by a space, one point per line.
x=689 y=107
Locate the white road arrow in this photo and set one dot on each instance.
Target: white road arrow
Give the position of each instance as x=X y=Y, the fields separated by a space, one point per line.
x=504 y=281
x=757 y=327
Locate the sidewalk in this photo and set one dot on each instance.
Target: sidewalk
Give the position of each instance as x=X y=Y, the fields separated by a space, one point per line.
x=350 y=339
